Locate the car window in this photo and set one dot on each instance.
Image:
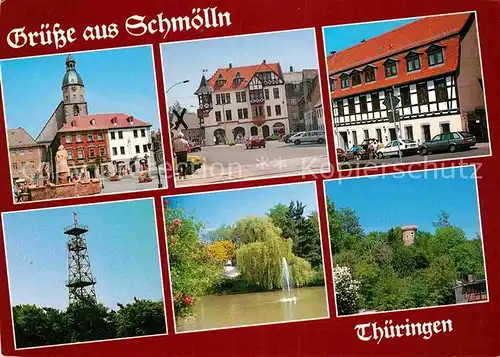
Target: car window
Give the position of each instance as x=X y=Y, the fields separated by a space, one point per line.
x=446 y=136
x=388 y=145
x=437 y=137
x=455 y=136
x=466 y=134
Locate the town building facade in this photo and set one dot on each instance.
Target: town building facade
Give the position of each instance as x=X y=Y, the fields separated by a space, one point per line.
x=238 y=102
x=431 y=65
x=26 y=155
x=312 y=105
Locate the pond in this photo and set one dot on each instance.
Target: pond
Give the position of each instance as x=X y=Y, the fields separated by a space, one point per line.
x=217 y=311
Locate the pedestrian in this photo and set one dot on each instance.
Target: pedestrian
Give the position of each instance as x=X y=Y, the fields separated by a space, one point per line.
x=181 y=149
x=215 y=140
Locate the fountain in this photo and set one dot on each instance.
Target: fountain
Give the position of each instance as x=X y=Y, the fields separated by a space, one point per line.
x=286 y=277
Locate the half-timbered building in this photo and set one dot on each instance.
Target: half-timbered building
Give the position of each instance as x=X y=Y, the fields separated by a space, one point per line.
x=432 y=65
x=237 y=102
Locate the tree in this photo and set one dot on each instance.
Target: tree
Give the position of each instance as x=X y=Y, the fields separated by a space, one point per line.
x=90 y=321
x=441 y=277
x=349 y=223
x=222 y=233
x=140 y=318
x=468 y=258
x=255 y=229
x=222 y=250
x=346 y=291
x=442 y=221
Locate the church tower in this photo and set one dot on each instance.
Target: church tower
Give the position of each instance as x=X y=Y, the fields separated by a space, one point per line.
x=73 y=91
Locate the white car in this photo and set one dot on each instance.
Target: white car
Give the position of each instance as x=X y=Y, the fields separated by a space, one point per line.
x=314 y=136
x=392 y=148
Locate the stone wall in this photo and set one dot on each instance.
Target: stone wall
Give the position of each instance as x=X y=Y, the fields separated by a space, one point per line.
x=74 y=189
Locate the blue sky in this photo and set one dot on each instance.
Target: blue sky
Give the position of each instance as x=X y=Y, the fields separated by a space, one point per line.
x=122 y=245
x=187 y=60
x=383 y=202
x=226 y=207
x=120 y=80
x=338 y=38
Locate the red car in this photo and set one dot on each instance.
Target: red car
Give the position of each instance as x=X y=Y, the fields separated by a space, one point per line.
x=255 y=142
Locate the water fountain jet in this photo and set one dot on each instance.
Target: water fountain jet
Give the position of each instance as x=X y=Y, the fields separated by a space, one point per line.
x=286 y=276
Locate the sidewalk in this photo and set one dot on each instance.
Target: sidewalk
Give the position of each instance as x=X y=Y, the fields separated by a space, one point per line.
x=267 y=169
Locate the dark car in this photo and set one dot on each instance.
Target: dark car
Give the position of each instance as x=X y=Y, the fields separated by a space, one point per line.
x=255 y=142
x=287 y=137
x=194 y=146
x=459 y=140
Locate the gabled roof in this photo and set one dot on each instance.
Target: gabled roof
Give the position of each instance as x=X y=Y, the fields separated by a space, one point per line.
x=246 y=72
x=19 y=138
x=102 y=122
x=414 y=34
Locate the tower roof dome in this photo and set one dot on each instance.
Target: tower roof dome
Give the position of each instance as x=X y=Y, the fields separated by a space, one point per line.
x=71 y=76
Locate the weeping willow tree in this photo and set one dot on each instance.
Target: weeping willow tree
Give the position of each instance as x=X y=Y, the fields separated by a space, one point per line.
x=261 y=252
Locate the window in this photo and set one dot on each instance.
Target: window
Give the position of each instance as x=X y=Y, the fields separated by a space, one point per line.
x=409 y=132
x=70 y=154
x=277 y=109
x=354 y=138
x=276 y=93
x=363 y=104
x=258 y=111
x=293 y=101
x=228 y=98
x=238 y=97
x=78 y=138
x=99 y=136
x=145 y=148
x=120 y=135
x=80 y=154
x=23 y=165
x=217 y=99
x=369 y=75
x=115 y=152
x=352 y=107
x=379 y=135
x=413 y=62
x=218 y=116
x=113 y=137
x=344 y=81
x=137 y=149
x=102 y=152
x=14 y=166
x=268 y=108
x=122 y=150
x=243 y=97
x=135 y=134
x=422 y=94
x=435 y=56
x=391 y=69
x=340 y=108
x=229 y=115
x=90 y=137
x=441 y=91
x=68 y=139
x=91 y=152
x=367 y=134
x=445 y=129
x=243 y=113
x=356 y=78
x=143 y=133
x=266 y=93
x=405 y=97
x=332 y=84
x=375 y=102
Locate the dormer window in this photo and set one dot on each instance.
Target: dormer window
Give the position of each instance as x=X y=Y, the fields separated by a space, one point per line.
x=220 y=81
x=238 y=79
x=391 y=68
x=412 y=61
x=344 y=81
x=114 y=121
x=356 y=78
x=92 y=122
x=130 y=120
x=332 y=83
x=435 y=55
x=369 y=74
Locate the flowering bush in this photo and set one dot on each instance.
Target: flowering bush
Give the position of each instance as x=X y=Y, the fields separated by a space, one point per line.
x=193 y=272
x=222 y=251
x=346 y=290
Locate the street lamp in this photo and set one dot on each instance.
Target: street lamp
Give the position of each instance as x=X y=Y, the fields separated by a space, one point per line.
x=156 y=148
x=176 y=84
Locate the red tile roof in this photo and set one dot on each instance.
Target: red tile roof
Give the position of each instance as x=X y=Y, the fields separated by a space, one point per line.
x=417 y=35
x=101 y=122
x=247 y=72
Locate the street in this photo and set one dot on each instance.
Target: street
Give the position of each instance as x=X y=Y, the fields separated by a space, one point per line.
x=131 y=183
x=228 y=163
x=481 y=149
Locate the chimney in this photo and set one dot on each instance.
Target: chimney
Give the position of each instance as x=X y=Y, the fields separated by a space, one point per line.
x=470 y=278
x=332 y=53
x=263 y=61
x=230 y=65
x=291 y=68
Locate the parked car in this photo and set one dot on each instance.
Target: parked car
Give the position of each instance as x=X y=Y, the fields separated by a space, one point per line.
x=255 y=142
x=287 y=137
x=448 y=142
x=314 y=136
x=194 y=146
x=344 y=156
x=407 y=147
